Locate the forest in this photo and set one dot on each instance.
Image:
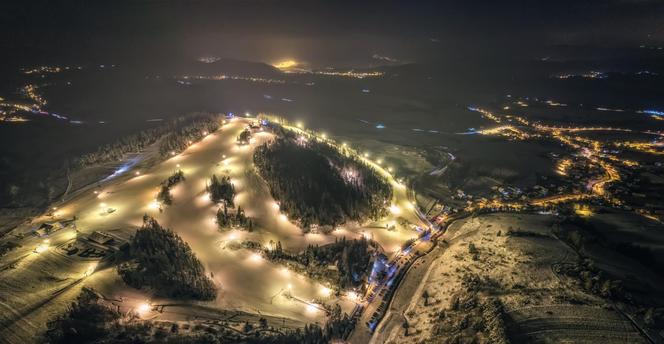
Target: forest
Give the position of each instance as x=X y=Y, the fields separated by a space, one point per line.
x=351 y=258
x=89 y=319
x=316 y=185
x=175 y=136
x=159 y=259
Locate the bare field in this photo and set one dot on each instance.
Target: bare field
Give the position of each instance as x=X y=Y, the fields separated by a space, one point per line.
x=494 y=282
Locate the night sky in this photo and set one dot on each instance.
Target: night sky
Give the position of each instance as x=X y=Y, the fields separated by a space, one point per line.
x=319 y=32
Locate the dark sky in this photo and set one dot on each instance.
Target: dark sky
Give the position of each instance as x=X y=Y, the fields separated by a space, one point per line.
x=317 y=31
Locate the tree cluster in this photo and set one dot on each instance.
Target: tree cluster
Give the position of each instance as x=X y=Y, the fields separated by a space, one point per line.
x=221 y=190
x=235 y=219
x=85 y=321
x=175 y=133
x=91 y=320
x=158 y=258
x=244 y=137
x=317 y=185
x=351 y=258
x=164 y=195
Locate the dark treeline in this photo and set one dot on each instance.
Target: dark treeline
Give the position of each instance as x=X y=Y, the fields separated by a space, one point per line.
x=159 y=259
x=317 y=185
x=351 y=258
x=91 y=320
x=164 y=195
x=221 y=190
x=175 y=135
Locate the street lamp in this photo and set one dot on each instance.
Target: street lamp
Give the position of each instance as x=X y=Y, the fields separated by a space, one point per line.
x=143 y=308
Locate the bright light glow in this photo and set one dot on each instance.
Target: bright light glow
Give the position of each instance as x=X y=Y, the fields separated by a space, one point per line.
x=285 y=64
x=289 y=286
x=154 y=205
x=311 y=308
x=300 y=125
x=255 y=257
x=138 y=173
x=379 y=161
x=102 y=204
x=143 y=308
x=275 y=205
x=91 y=269
x=325 y=291
x=389 y=169
x=283 y=217
x=323 y=135
x=41 y=248
x=177 y=165
x=351 y=295
x=284 y=271
x=394 y=209
x=206 y=197
x=410 y=205
x=366 y=154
